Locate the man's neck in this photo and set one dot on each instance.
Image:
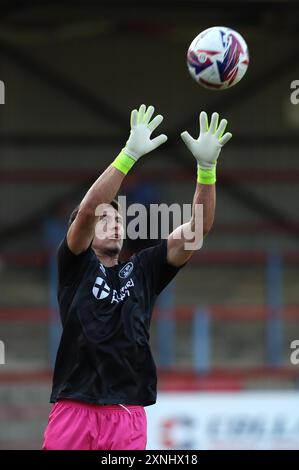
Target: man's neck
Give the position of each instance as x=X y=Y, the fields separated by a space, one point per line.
x=106 y=259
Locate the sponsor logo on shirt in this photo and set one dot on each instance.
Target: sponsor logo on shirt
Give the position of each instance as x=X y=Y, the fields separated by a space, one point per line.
x=100 y=288
x=126 y=270
x=123 y=292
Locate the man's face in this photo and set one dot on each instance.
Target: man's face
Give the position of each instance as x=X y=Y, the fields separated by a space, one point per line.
x=109 y=231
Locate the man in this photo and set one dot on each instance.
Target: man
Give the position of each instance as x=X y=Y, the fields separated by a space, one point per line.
x=104 y=373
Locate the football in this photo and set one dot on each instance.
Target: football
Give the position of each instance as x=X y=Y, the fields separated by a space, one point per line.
x=218 y=58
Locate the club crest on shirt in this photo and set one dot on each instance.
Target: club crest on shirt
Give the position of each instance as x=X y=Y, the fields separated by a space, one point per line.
x=100 y=289
x=126 y=270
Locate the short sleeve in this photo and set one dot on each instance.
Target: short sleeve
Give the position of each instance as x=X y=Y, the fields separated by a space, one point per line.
x=157 y=270
x=70 y=266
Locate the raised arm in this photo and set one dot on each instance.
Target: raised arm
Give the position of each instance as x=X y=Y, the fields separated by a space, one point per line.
x=105 y=188
x=206 y=149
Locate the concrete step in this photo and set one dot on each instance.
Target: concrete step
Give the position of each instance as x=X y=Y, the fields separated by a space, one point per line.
x=24 y=413
x=26 y=344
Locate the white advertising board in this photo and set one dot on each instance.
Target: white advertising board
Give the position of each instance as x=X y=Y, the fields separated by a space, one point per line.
x=240 y=420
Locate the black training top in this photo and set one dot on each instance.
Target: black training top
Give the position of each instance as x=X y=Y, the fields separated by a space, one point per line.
x=104 y=355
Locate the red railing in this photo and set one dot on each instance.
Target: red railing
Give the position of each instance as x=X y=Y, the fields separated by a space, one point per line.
x=40 y=258
x=158 y=175
x=180 y=313
x=232 y=378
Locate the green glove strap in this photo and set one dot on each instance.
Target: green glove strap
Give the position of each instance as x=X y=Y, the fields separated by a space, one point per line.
x=206 y=176
x=123 y=162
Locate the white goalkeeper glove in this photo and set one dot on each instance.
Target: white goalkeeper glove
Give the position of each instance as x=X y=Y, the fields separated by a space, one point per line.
x=139 y=142
x=207 y=147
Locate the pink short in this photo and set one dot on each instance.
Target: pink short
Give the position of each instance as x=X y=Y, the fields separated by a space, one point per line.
x=76 y=425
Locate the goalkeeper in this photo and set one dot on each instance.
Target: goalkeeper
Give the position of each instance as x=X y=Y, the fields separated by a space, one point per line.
x=104 y=372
